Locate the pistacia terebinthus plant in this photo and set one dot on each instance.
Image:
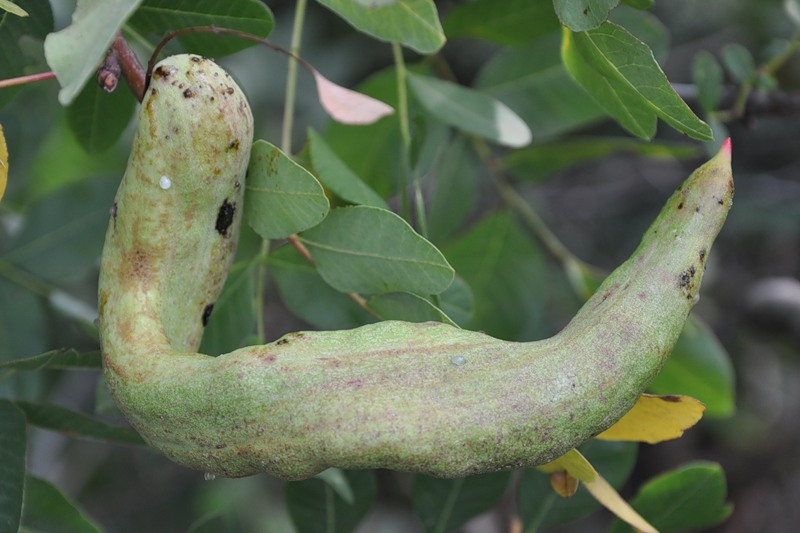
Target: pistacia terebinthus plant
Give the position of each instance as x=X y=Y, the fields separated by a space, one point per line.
x=426 y=398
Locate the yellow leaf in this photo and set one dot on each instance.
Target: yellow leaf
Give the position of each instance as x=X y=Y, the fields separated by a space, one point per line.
x=577 y=466
x=572 y=462
x=611 y=500
x=3 y=162
x=655 y=419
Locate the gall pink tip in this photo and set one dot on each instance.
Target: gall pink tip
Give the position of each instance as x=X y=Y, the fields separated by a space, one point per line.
x=726 y=146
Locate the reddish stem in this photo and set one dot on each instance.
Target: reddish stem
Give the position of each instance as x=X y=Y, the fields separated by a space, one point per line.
x=132 y=70
x=22 y=80
x=294 y=240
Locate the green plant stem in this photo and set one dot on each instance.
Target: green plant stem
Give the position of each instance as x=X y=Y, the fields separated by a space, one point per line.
x=291 y=78
x=74 y=309
x=405 y=130
x=409 y=167
x=24 y=279
x=772 y=66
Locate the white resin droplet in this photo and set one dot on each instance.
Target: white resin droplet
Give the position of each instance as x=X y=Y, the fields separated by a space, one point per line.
x=165 y=183
x=208 y=476
x=696 y=298
x=459 y=360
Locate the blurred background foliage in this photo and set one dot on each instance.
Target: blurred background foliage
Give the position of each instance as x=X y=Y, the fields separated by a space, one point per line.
x=594 y=186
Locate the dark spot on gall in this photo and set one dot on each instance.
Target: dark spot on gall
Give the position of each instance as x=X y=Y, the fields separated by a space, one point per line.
x=114 y=210
x=680 y=205
x=225 y=217
x=207 y=314
x=160 y=72
x=229 y=90
x=697 y=209
x=702 y=255
x=197 y=59
x=282 y=342
x=233 y=145
x=586 y=11
x=720 y=201
x=188 y=93
x=221 y=446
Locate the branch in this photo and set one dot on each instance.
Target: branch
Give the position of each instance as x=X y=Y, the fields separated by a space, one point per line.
x=22 y=80
x=122 y=57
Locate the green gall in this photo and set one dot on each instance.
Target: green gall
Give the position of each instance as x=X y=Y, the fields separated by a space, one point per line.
x=426 y=398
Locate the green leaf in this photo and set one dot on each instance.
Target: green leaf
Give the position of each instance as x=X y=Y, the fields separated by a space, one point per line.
x=540 y=161
x=14 y=9
x=74 y=52
x=74 y=424
x=309 y=297
x=640 y=4
x=60 y=161
x=373 y=152
x=699 y=367
x=161 y=16
x=316 y=507
x=539 y=505
x=470 y=111
x=454 y=191
x=582 y=15
x=508 y=22
x=233 y=317
x=457 y=301
x=708 y=78
x=738 y=61
x=690 y=498
x=444 y=505
x=12 y=465
x=48 y=509
x=533 y=82
x=98 y=118
x=20 y=39
x=508 y=278
x=412 y=23
x=620 y=72
x=337 y=176
x=336 y=479
x=56 y=360
x=372 y=251
x=63 y=233
x=281 y=197
x=23 y=324
x=407 y=307
x=644 y=26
